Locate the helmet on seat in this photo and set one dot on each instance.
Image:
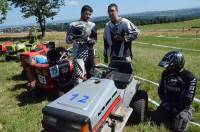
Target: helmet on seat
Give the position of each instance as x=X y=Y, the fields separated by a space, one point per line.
x=54 y=56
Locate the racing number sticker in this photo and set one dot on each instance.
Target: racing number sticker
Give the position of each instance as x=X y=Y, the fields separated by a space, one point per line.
x=54 y=71
x=42 y=79
x=82 y=99
x=64 y=68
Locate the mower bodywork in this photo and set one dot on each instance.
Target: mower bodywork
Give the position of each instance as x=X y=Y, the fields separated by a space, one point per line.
x=53 y=78
x=16 y=48
x=26 y=57
x=98 y=104
x=3 y=49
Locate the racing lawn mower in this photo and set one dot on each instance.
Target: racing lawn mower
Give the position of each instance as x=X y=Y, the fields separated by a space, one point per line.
x=103 y=103
x=26 y=57
x=56 y=75
x=14 y=50
x=3 y=49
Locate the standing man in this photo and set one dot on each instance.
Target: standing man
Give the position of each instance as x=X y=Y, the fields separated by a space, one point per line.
x=176 y=91
x=118 y=36
x=83 y=35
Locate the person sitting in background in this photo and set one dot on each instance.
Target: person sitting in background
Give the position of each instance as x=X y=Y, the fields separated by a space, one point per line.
x=176 y=91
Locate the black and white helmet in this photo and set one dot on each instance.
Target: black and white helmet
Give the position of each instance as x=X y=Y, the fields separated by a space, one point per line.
x=79 y=31
x=173 y=60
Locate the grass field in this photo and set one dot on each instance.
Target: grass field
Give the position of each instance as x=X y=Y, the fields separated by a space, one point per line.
x=177 y=25
x=20 y=111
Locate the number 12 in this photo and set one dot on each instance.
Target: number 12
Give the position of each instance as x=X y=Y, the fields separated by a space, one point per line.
x=84 y=99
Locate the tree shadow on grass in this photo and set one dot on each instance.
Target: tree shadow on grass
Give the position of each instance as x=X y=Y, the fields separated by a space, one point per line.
x=19 y=86
x=33 y=97
x=17 y=77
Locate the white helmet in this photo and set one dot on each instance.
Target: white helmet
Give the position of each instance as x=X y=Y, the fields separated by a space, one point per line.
x=80 y=31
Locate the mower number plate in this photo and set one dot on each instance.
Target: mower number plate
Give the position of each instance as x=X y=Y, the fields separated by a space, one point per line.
x=42 y=79
x=64 y=68
x=54 y=71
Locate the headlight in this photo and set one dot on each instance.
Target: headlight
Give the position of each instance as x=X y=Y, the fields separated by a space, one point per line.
x=85 y=128
x=50 y=120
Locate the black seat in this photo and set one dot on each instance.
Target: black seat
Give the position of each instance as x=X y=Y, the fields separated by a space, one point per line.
x=123 y=75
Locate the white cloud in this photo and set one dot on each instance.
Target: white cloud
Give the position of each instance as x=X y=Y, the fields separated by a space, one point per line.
x=71 y=3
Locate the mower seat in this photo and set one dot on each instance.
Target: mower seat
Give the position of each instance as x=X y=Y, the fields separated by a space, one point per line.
x=123 y=76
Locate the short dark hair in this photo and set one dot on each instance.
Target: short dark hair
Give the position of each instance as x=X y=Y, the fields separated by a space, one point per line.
x=86 y=8
x=113 y=5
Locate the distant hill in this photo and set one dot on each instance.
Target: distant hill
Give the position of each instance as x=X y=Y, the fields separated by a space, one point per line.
x=156 y=17
x=180 y=12
x=169 y=13
x=143 y=18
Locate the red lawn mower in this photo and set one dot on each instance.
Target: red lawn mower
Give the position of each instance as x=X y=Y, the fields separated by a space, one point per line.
x=3 y=49
x=26 y=57
x=58 y=75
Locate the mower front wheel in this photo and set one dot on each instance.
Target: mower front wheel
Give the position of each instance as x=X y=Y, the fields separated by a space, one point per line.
x=139 y=105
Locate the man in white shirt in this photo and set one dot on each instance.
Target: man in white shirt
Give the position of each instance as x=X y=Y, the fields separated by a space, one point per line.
x=83 y=51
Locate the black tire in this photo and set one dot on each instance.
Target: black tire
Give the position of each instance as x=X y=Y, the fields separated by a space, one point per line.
x=139 y=105
x=38 y=91
x=23 y=75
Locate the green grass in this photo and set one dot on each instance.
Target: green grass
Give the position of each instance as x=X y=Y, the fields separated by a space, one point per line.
x=182 y=43
x=20 y=111
x=146 y=59
x=146 y=127
x=177 y=25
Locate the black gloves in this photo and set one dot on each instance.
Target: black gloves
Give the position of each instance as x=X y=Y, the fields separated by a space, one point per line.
x=91 y=42
x=105 y=59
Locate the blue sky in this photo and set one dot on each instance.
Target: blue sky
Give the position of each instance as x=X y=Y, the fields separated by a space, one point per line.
x=72 y=8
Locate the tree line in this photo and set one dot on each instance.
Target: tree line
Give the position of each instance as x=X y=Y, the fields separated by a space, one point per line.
x=43 y=10
x=40 y=9
x=137 y=20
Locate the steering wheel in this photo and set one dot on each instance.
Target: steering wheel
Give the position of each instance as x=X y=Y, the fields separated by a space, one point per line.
x=106 y=68
x=103 y=71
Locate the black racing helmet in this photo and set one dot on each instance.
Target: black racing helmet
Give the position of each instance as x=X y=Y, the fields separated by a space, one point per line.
x=173 y=60
x=56 y=55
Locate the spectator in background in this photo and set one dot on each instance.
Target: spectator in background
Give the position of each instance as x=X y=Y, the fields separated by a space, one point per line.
x=118 y=36
x=83 y=35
